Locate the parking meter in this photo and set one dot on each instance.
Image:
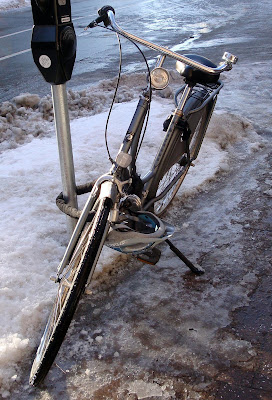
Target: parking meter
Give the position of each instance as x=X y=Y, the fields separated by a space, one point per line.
x=53 y=46
x=53 y=40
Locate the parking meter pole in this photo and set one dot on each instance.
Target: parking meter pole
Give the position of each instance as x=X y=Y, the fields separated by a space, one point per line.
x=62 y=124
x=53 y=45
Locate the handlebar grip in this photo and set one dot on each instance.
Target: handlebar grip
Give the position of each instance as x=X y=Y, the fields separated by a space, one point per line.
x=103 y=17
x=103 y=13
x=103 y=10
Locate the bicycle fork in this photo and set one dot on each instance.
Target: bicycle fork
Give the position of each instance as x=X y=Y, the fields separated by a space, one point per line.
x=107 y=189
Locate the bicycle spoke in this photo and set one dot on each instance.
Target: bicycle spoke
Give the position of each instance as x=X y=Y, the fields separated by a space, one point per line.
x=161 y=204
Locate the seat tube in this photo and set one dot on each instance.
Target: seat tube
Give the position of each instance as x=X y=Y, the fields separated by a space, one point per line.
x=186 y=93
x=169 y=137
x=177 y=114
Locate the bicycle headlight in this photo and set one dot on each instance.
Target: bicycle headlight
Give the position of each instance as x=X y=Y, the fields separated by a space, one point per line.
x=159 y=78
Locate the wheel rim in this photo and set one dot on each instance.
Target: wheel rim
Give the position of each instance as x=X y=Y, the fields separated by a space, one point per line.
x=161 y=205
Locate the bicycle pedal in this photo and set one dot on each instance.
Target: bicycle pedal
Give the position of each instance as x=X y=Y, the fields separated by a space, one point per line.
x=150 y=256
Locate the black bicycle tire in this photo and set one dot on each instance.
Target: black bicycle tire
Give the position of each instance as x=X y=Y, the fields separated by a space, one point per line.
x=85 y=269
x=196 y=138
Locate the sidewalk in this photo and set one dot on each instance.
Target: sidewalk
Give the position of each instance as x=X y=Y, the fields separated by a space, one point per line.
x=162 y=333
x=254 y=322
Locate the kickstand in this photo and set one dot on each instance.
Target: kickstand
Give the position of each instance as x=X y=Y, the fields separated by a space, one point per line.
x=196 y=270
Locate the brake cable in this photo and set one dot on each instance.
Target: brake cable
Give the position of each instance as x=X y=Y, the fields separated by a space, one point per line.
x=117 y=85
x=114 y=97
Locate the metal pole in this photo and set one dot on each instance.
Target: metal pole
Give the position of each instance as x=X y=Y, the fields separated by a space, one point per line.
x=62 y=124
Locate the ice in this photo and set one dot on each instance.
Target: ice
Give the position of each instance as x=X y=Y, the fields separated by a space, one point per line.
x=145 y=390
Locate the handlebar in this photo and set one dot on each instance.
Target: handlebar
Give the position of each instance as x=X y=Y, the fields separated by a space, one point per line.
x=107 y=15
x=229 y=59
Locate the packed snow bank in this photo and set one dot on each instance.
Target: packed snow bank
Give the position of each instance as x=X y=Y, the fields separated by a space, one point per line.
x=34 y=231
x=8 y=4
x=27 y=115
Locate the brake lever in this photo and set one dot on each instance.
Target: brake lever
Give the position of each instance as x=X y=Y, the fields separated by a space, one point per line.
x=103 y=17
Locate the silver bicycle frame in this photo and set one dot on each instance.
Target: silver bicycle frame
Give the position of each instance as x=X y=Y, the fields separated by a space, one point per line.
x=229 y=60
x=131 y=140
x=148 y=178
x=107 y=190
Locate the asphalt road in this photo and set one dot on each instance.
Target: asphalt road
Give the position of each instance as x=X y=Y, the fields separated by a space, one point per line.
x=208 y=29
x=18 y=73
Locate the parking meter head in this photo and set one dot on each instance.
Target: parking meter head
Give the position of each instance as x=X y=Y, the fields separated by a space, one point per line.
x=43 y=8
x=53 y=40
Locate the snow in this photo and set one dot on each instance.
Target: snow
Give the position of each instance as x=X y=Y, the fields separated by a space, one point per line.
x=27 y=116
x=8 y=4
x=34 y=231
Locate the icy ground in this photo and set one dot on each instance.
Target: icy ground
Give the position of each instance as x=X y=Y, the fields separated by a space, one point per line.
x=34 y=242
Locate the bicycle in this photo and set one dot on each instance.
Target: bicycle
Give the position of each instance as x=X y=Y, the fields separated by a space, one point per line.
x=123 y=209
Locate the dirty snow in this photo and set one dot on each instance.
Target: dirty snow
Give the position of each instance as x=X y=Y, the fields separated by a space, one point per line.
x=28 y=116
x=8 y=4
x=35 y=231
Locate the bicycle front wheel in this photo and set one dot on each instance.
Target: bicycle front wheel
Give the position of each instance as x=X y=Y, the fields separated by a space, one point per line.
x=71 y=286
